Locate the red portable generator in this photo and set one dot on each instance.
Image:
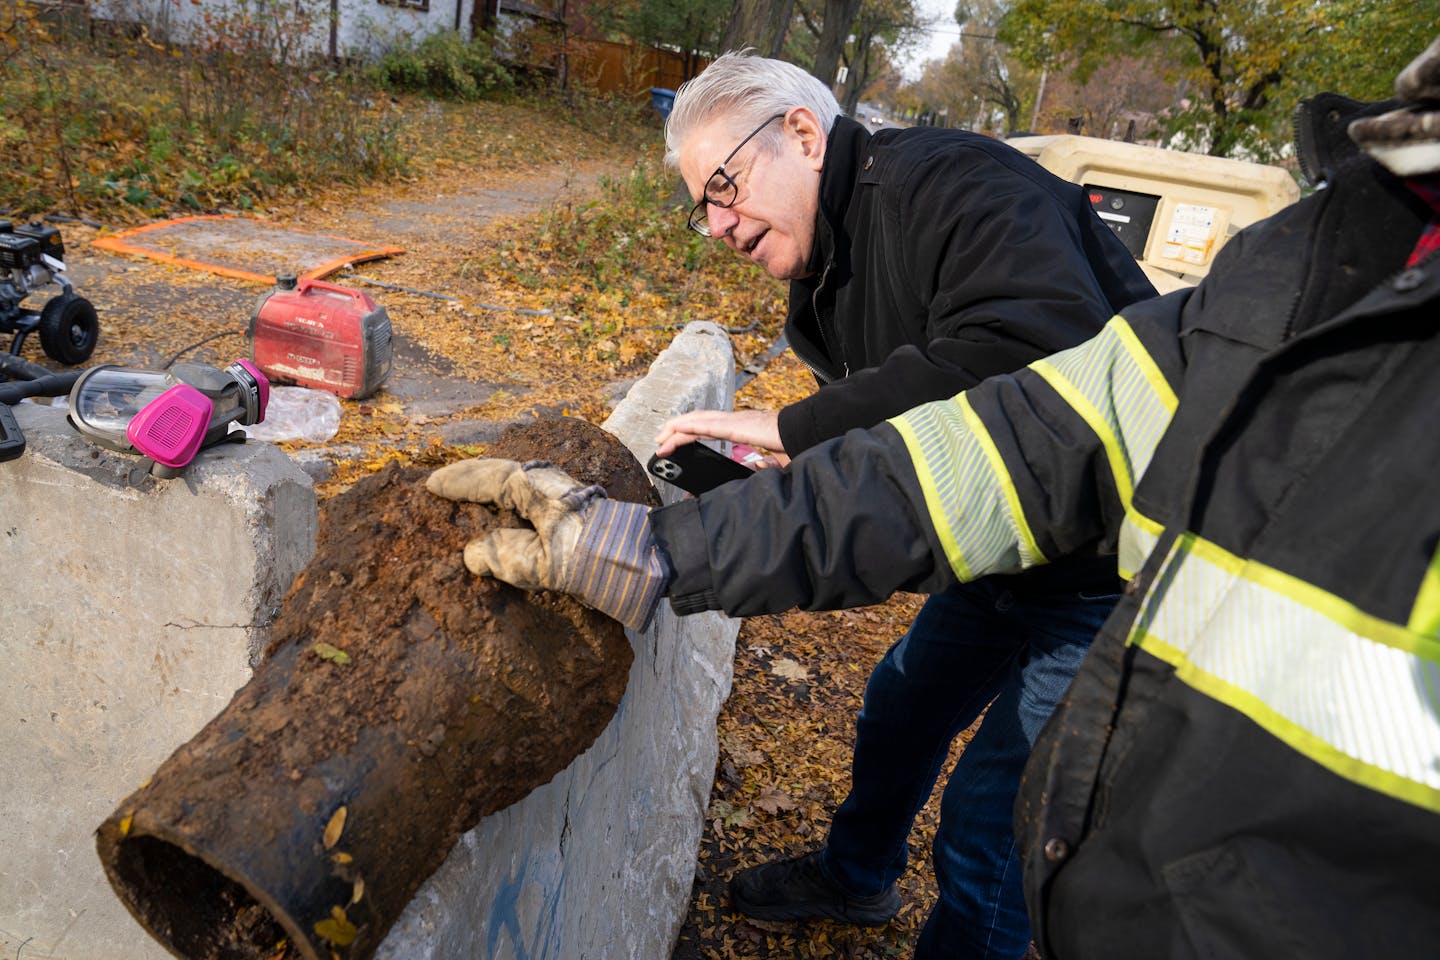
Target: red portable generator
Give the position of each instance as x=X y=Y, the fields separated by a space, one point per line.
x=317 y=334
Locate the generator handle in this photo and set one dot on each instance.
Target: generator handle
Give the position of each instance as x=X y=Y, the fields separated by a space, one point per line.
x=305 y=283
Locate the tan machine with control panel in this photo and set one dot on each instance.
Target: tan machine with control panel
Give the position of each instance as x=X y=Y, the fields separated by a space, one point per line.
x=1173 y=210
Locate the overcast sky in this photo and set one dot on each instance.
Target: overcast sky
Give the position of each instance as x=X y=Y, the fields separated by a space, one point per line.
x=942 y=34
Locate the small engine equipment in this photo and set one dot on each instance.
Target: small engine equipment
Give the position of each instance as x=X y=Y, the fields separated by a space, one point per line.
x=31 y=256
x=321 y=335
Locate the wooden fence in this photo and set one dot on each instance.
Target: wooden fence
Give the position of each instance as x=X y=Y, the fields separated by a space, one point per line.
x=628 y=69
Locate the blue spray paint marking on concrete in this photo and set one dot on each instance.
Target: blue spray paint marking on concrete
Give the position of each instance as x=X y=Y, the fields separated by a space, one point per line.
x=505 y=925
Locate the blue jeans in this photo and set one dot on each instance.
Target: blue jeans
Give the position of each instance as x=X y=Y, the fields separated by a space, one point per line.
x=973 y=644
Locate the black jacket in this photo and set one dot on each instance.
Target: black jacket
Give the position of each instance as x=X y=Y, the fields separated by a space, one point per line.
x=1248 y=763
x=941 y=258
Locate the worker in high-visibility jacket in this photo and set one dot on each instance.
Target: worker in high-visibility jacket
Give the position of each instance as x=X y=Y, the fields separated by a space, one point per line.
x=1248 y=763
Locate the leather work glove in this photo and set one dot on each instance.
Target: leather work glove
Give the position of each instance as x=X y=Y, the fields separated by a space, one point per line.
x=1407 y=140
x=598 y=550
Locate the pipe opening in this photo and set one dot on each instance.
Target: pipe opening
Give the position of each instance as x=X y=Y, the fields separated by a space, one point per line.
x=192 y=908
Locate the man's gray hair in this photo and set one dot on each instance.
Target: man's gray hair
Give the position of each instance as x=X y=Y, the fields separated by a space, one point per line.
x=744 y=90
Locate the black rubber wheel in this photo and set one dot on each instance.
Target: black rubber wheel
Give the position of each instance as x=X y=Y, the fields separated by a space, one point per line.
x=69 y=329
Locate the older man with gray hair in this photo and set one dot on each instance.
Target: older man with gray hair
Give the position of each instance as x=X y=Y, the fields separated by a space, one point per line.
x=920 y=262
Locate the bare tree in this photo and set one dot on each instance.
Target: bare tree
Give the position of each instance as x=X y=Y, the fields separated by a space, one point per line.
x=834 y=34
x=1125 y=90
x=758 y=24
x=881 y=30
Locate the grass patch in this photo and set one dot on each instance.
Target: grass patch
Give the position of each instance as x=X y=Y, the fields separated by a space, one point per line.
x=630 y=273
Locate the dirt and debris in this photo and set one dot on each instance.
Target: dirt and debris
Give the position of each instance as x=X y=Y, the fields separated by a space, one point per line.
x=401 y=700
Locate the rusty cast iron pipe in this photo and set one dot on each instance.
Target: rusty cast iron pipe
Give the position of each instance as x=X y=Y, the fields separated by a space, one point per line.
x=402 y=699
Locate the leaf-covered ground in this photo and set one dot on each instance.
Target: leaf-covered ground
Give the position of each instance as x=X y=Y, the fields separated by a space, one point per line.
x=553 y=311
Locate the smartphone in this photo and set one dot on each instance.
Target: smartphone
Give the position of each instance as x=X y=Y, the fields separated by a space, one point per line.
x=695 y=468
x=12 y=441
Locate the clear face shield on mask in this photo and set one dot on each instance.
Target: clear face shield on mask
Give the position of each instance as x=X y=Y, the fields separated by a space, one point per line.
x=167 y=416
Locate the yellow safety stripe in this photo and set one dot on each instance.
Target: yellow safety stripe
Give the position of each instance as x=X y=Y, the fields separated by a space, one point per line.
x=1355 y=693
x=1145 y=364
x=1111 y=382
x=1118 y=390
x=1138 y=536
x=1425 y=617
x=1029 y=549
x=971 y=499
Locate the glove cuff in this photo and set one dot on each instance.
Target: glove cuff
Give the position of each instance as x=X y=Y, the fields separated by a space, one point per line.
x=619 y=570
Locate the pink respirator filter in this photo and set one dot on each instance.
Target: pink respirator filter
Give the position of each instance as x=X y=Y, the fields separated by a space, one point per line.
x=170 y=428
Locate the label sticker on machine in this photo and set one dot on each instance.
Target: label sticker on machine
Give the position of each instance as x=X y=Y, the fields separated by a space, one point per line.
x=1190 y=235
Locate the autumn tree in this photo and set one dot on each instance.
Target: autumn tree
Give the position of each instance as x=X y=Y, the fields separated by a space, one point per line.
x=1362 y=46
x=1125 y=90
x=882 y=31
x=1241 y=61
x=760 y=24
x=878 y=32
x=837 y=19
x=978 y=84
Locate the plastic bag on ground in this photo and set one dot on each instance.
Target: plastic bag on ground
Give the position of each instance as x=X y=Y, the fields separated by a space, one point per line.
x=297 y=413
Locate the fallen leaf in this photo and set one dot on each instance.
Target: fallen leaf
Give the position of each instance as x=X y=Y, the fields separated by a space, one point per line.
x=337 y=928
x=327 y=652
x=334 y=828
x=741 y=752
x=789 y=669
x=773 y=800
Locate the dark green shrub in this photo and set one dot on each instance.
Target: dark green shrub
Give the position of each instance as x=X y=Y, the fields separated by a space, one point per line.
x=445 y=65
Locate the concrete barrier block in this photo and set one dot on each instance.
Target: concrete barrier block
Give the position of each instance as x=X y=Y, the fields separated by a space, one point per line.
x=696 y=372
x=135 y=608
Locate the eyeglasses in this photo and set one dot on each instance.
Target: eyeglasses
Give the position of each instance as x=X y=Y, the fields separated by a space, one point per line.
x=721 y=189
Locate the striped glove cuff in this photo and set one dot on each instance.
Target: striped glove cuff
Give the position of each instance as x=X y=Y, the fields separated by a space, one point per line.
x=616 y=566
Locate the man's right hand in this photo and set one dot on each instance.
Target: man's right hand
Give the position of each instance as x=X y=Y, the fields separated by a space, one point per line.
x=598 y=550
x=754 y=428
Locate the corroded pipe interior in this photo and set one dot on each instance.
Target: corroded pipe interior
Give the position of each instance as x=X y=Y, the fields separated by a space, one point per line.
x=192 y=908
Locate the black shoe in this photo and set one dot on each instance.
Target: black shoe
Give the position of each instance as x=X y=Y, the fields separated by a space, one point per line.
x=799 y=889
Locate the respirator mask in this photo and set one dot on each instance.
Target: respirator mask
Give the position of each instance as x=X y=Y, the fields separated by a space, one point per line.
x=169 y=416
